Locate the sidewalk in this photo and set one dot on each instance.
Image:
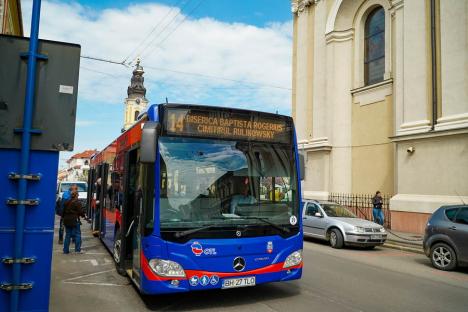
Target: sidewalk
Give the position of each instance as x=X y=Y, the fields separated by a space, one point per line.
x=89 y=281
x=405 y=241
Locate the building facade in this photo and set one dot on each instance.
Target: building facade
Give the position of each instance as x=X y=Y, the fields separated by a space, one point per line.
x=11 y=21
x=380 y=101
x=78 y=167
x=136 y=101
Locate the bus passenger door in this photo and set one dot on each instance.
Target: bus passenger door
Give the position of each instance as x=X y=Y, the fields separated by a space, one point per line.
x=89 y=196
x=131 y=220
x=104 y=199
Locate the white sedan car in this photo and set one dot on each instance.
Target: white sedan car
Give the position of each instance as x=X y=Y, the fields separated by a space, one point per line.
x=336 y=224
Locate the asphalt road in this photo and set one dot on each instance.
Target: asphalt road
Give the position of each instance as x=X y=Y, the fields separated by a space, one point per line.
x=333 y=280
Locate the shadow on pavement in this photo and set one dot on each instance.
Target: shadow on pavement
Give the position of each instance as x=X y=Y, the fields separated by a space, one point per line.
x=215 y=299
x=427 y=262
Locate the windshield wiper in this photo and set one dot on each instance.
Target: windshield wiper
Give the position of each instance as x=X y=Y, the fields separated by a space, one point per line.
x=195 y=230
x=283 y=229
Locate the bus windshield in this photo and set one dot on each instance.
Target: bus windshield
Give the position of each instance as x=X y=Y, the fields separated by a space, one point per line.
x=226 y=183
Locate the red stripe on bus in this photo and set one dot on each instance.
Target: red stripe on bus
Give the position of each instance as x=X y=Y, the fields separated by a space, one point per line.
x=273 y=268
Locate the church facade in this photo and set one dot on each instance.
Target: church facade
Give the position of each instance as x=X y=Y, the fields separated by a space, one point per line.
x=380 y=101
x=11 y=21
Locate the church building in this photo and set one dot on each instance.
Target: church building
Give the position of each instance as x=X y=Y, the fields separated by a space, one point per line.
x=380 y=102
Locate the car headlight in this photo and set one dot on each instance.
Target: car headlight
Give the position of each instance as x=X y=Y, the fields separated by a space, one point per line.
x=382 y=230
x=166 y=268
x=359 y=229
x=293 y=259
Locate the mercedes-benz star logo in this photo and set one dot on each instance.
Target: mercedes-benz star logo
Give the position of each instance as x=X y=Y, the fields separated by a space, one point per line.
x=238 y=233
x=238 y=264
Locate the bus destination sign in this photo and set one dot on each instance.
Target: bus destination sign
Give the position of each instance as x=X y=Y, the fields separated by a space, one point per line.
x=227 y=125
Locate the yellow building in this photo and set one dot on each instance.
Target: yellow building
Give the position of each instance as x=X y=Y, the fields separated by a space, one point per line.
x=11 y=21
x=380 y=101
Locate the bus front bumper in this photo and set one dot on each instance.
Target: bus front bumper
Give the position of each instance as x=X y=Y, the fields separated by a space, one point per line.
x=214 y=280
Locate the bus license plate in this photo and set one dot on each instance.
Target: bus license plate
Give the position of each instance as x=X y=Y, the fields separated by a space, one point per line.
x=239 y=282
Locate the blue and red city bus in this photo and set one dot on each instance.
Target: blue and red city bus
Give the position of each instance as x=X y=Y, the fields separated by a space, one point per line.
x=195 y=197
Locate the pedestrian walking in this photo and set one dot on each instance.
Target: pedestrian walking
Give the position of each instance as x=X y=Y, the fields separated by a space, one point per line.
x=71 y=220
x=377 y=213
x=60 y=206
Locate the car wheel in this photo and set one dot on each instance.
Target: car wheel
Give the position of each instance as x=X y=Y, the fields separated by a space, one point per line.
x=117 y=253
x=336 y=239
x=443 y=257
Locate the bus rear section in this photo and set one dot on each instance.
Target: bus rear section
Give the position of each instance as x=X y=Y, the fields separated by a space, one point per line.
x=215 y=206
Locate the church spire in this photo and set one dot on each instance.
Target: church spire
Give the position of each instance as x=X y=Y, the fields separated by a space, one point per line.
x=136 y=101
x=136 y=88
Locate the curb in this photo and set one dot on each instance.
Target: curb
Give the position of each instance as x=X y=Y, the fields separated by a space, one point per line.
x=410 y=244
x=404 y=248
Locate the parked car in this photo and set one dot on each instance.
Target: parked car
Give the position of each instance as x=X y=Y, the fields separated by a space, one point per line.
x=63 y=186
x=446 y=237
x=336 y=224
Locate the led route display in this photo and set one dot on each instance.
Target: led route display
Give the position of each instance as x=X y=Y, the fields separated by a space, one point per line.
x=227 y=125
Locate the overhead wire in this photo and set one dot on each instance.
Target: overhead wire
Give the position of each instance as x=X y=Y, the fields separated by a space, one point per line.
x=103 y=60
x=174 y=29
x=172 y=8
x=248 y=83
x=218 y=78
x=181 y=22
x=99 y=72
x=163 y=29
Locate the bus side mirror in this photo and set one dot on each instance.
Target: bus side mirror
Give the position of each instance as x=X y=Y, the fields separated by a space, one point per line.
x=302 y=166
x=149 y=138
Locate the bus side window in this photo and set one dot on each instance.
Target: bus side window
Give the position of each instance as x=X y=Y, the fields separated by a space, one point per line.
x=115 y=190
x=146 y=196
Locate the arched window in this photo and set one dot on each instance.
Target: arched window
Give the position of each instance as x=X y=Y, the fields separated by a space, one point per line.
x=136 y=115
x=86 y=162
x=374 y=47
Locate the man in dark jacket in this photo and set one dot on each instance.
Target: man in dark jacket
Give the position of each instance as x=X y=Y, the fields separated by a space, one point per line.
x=71 y=220
x=59 y=208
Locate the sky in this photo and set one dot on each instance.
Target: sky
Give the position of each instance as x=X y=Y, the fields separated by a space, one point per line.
x=233 y=53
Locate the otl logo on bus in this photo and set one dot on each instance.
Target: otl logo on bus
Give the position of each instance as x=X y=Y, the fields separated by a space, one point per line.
x=197 y=248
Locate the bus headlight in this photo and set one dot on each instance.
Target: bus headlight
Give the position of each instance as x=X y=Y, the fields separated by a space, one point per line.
x=166 y=268
x=293 y=259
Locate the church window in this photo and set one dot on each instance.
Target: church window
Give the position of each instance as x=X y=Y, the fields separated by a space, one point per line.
x=374 y=47
x=136 y=115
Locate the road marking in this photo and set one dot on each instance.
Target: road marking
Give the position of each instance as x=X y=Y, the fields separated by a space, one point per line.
x=94 y=262
x=73 y=280
x=87 y=275
x=97 y=284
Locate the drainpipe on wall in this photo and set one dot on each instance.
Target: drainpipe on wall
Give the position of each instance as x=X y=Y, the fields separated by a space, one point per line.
x=434 y=65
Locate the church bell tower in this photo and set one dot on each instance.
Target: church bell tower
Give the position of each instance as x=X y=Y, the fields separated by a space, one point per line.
x=136 y=101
